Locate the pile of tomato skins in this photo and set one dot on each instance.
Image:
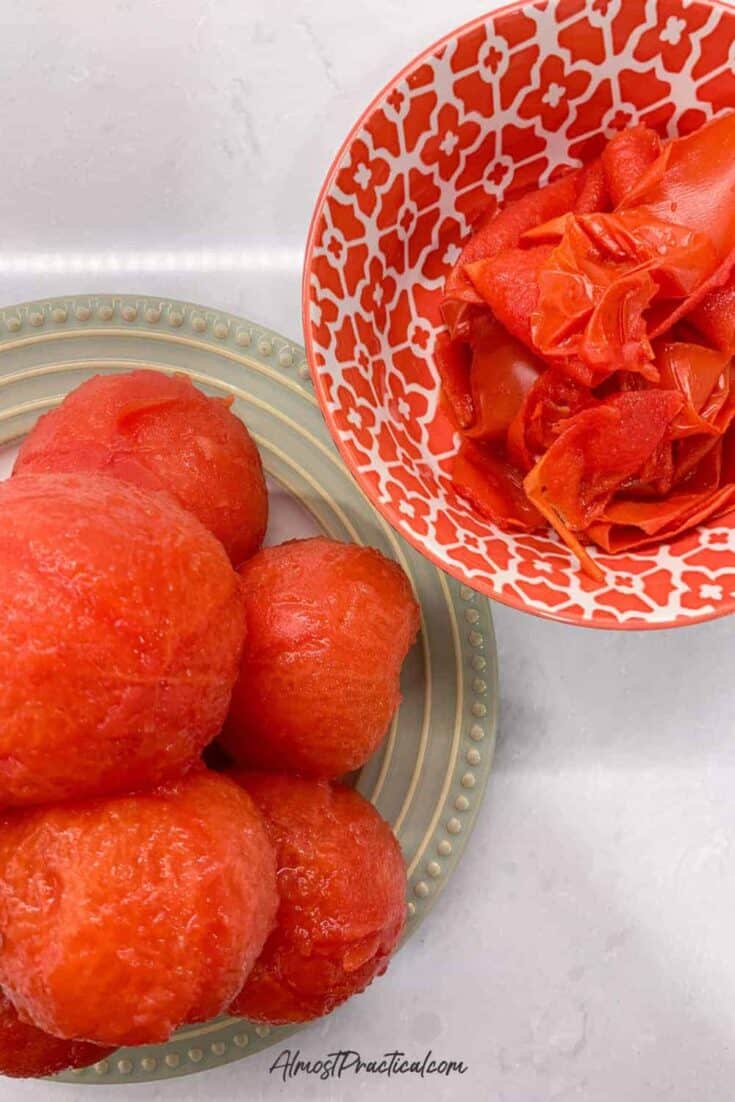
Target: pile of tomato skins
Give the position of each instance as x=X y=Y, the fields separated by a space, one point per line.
x=587 y=360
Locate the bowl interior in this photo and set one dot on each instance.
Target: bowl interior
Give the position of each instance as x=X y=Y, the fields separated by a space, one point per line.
x=501 y=105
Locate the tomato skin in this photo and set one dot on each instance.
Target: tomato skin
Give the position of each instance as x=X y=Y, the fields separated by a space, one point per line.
x=502 y=371
x=453 y=363
x=618 y=282
x=626 y=158
x=494 y=487
x=714 y=318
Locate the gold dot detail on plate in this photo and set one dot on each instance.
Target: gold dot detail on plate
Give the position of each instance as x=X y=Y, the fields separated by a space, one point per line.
x=475 y=639
x=473 y=756
x=461 y=804
x=262 y=1030
x=83 y=313
x=172 y=1059
x=241 y=1040
x=465 y=593
x=149 y=1063
x=285 y=357
x=411 y=908
x=124 y=1067
x=421 y=889
x=175 y=318
x=477 y=733
x=265 y=347
x=454 y=826
x=243 y=338
x=468 y=780
x=478 y=663
x=102 y=1067
x=479 y=709
x=304 y=372
x=220 y=330
x=13 y=324
x=106 y=311
x=218 y=1048
x=471 y=615
x=479 y=686
x=36 y=318
x=59 y=314
x=198 y=323
x=152 y=315
x=129 y=313
x=434 y=869
x=195 y=1055
x=444 y=848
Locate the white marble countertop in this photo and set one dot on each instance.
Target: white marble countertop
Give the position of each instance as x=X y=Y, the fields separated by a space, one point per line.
x=584 y=948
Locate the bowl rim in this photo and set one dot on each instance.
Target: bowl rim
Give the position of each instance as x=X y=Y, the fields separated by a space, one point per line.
x=725 y=608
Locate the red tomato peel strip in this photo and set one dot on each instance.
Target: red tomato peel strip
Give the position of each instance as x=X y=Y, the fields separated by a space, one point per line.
x=575 y=479
x=509 y=284
x=495 y=488
x=453 y=364
x=702 y=378
x=552 y=399
x=692 y=184
x=714 y=318
x=627 y=157
x=642 y=523
x=501 y=374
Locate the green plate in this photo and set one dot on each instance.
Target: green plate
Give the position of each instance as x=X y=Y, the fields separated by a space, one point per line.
x=429 y=776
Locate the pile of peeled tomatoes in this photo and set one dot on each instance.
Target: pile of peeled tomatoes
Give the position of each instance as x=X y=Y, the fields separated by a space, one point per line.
x=587 y=361
x=150 y=876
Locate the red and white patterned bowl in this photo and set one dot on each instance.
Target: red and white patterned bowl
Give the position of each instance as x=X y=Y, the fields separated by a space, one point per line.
x=491 y=109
